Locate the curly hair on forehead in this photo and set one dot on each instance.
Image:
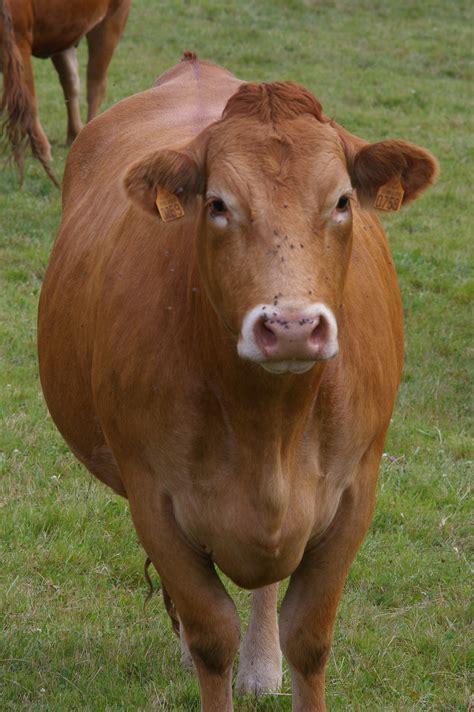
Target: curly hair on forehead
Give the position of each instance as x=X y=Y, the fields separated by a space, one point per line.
x=273 y=102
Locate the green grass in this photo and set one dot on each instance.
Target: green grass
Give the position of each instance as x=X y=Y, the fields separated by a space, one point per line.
x=74 y=633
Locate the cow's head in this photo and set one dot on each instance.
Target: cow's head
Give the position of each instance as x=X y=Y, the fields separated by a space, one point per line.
x=271 y=187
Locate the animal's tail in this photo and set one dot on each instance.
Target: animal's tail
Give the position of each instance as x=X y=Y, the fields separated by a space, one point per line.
x=171 y=610
x=148 y=580
x=169 y=605
x=16 y=106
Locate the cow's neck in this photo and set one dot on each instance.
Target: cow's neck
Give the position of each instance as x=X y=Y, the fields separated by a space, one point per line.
x=258 y=407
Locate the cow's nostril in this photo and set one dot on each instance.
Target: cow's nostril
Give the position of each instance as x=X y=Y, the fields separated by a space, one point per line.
x=306 y=334
x=320 y=332
x=264 y=333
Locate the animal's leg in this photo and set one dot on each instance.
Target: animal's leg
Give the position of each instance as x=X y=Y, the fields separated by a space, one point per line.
x=102 y=40
x=66 y=66
x=206 y=612
x=260 y=654
x=309 y=607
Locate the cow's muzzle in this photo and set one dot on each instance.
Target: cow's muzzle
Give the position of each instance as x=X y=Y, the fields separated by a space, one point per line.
x=288 y=338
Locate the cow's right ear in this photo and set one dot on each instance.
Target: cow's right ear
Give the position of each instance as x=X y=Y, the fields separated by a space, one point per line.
x=171 y=174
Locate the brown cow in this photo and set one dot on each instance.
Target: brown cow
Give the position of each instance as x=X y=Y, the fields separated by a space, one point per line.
x=229 y=361
x=53 y=28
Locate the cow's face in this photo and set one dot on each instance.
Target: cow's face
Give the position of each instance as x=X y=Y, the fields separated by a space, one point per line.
x=270 y=187
x=275 y=238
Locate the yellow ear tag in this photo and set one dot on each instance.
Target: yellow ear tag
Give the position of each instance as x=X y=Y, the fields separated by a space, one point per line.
x=168 y=205
x=390 y=196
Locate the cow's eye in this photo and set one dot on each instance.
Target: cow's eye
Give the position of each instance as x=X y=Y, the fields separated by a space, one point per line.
x=217 y=207
x=218 y=212
x=342 y=203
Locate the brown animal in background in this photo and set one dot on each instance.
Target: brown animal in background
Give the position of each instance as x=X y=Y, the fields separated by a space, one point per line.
x=53 y=28
x=230 y=361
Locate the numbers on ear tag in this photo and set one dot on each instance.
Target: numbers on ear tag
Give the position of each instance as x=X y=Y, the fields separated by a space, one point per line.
x=168 y=205
x=389 y=196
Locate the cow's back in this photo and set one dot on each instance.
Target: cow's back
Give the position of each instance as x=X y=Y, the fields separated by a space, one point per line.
x=184 y=100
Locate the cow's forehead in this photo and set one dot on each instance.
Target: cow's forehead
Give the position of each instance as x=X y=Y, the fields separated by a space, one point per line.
x=301 y=151
x=249 y=135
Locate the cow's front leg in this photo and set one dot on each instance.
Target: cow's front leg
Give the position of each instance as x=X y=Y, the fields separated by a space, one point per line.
x=309 y=608
x=260 y=654
x=206 y=612
x=65 y=63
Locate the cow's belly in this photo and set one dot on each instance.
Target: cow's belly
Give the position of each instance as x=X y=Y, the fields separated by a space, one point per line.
x=256 y=540
x=71 y=24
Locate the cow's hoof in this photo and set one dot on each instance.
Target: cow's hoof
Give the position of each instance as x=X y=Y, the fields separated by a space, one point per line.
x=259 y=677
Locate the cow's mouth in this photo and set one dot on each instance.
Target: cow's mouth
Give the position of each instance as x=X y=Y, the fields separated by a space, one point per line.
x=281 y=367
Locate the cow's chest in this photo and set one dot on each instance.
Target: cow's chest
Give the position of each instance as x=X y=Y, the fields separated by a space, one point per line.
x=254 y=511
x=248 y=488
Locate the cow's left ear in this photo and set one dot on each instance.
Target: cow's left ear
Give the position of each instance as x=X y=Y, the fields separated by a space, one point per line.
x=166 y=178
x=381 y=171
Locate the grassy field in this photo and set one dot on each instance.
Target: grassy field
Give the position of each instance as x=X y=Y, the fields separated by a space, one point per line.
x=74 y=634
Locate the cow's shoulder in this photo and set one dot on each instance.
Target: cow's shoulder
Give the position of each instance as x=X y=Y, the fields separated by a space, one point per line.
x=185 y=100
